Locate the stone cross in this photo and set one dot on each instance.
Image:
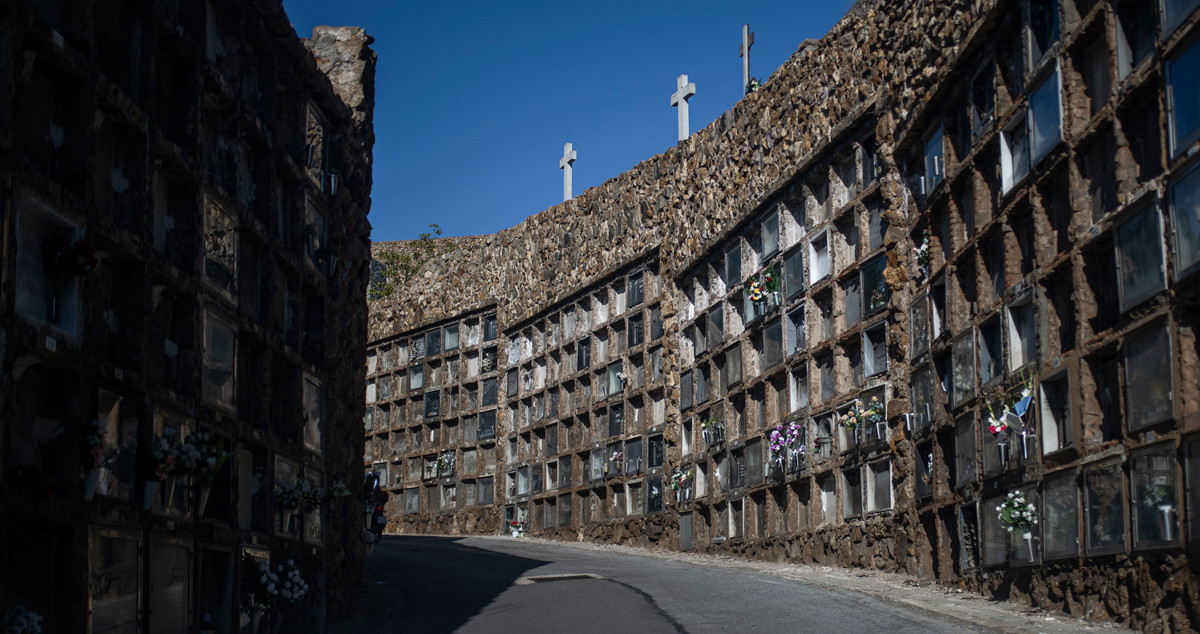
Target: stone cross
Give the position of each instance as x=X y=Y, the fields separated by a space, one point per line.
x=679 y=100
x=564 y=164
x=744 y=53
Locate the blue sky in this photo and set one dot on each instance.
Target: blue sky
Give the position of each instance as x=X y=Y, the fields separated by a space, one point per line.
x=474 y=100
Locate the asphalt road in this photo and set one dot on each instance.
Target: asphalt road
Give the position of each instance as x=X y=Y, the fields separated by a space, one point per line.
x=483 y=585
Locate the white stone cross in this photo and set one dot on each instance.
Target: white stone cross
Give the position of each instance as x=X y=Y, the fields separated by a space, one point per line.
x=679 y=100
x=744 y=53
x=564 y=164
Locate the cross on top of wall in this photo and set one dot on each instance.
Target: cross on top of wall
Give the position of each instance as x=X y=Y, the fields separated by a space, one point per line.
x=744 y=53
x=679 y=100
x=564 y=164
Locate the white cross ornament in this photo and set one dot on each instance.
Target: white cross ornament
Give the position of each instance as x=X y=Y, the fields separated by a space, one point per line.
x=679 y=100
x=564 y=164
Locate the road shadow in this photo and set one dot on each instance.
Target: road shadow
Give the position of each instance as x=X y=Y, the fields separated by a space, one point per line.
x=417 y=584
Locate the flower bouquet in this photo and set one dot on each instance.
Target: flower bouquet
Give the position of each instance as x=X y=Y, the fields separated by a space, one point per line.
x=18 y=620
x=766 y=286
x=164 y=465
x=713 y=430
x=94 y=454
x=263 y=584
x=63 y=261
x=1018 y=514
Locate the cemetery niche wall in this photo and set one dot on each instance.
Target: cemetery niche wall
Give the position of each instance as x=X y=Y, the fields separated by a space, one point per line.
x=185 y=253
x=934 y=280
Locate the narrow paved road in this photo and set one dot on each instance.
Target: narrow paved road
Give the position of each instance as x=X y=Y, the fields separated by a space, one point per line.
x=477 y=585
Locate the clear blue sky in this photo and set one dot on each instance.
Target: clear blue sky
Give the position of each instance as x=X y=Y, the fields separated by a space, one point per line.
x=474 y=100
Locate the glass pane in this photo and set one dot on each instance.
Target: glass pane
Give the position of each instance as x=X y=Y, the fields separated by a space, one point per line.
x=995 y=536
x=770 y=235
x=1045 y=116
x=852 y=304
x=314 y=412
x=964 y=369
x=113 y=585
x=793 y=272
x=1061 y=509
x=733 y=265
x=1148 y=378
x=773 y=344
x=1105 y=510
x=1185 y=201
x=935 y=162
x=1156 y=501
x=490 y=328
x=1140 y=258
x=451 y=335
x=1184 y=92
x=920 y=324
x=169 y=588
x=1174 y=11
x=875 y=290
x=965 y=451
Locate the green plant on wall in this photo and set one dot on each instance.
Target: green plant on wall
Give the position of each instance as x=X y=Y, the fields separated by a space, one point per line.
x=401 y=264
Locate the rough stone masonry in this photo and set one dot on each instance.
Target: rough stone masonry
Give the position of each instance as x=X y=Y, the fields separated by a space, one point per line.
x=947 y=252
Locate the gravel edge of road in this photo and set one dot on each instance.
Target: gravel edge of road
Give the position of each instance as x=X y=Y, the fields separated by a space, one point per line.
x=967 y=607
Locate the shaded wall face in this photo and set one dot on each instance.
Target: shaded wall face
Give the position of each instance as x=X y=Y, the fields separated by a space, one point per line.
x=172 y=266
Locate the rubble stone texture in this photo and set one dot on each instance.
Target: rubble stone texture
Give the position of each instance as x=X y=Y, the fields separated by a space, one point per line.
x=219 y=167
x=968 y=199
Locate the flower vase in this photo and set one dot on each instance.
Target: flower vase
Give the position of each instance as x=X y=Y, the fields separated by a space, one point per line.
x=1028 y=537
x=1165 y=511
x=1002 y=449
x=286 y=516
x=53 y=308
x=89 y=484
x=881 y=431
x=150 y=494
x=169 y=493
x=202 y=504
x=1025 y=445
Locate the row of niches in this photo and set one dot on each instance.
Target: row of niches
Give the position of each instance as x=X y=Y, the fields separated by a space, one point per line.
x=1124 y=270
x=1133 y=500
x=443 y=387
x=475 y=426
x=783 y=382
x=1128 y=256
x=581 y=508
x=624 y=337
x=466 y=334
x=773 y=507
x=1022 y=99
x=778 y=256
x=630 y=458
x=588 y=316
x=451 y=385
x=433 y=438
x=621 y=377
x=388 y=407
x=445 y=496
x=1135 y=389
x=856 y=425
x=156 y=462
x=1116 y=149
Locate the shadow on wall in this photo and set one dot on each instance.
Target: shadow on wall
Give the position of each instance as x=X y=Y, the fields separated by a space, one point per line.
x=430 y=584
